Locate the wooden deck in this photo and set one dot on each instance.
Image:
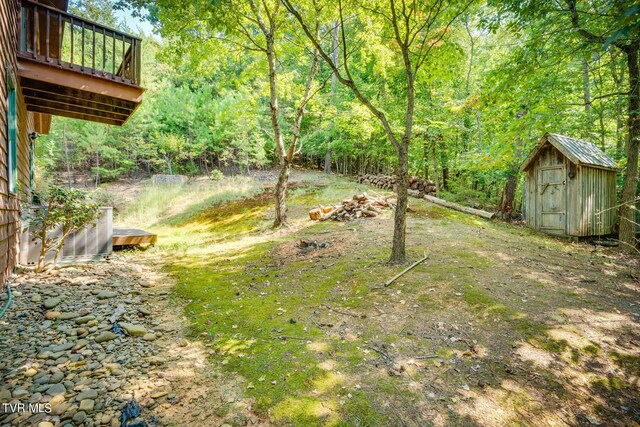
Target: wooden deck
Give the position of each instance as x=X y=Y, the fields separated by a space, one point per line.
x=132 y=237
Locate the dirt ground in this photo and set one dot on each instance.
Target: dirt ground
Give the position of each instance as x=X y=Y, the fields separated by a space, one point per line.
x=499 y=326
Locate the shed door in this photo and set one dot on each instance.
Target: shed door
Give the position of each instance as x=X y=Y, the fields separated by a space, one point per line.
x=552 y=197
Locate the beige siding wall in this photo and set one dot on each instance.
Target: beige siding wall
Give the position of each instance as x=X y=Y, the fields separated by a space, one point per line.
x=9 y=204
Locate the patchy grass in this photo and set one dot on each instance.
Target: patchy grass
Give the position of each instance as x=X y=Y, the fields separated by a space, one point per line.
x=462 y=339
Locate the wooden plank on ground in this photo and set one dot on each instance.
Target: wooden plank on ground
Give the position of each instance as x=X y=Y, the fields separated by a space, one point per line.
x=132 y=237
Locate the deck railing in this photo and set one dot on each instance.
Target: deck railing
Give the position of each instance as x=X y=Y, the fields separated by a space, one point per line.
x=58 y=38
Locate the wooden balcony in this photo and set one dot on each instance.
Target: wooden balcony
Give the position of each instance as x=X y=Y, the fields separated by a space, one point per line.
x=72 y=67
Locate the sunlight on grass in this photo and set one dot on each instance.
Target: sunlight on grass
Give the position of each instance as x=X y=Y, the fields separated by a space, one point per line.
x=298 y=327
x=161 y=202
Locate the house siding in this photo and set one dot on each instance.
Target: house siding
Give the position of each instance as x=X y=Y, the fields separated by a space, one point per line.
x=10 y=204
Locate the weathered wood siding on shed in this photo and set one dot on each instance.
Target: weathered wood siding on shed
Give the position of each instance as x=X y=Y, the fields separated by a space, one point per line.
x=10 y=204
x=594 y=203
x=590 y=196
x=547 y=159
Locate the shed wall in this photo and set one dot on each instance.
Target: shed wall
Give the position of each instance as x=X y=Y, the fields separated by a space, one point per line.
x=595 y=204
x=590 y=196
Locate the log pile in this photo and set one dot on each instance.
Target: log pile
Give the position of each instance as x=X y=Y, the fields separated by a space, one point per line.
x=387 y=182
x=359 y=206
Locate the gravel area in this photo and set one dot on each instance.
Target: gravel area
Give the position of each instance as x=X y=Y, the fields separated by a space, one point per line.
x=80 y=343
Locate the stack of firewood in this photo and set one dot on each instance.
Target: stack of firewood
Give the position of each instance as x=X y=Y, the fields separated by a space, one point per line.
x=361 y=205
x=387 y=182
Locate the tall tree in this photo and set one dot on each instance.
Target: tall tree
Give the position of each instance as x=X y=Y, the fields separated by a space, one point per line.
x=608 y=23
x=254 y=26
x=416 y=27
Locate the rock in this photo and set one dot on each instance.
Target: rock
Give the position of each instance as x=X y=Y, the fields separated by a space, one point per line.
x=17 y=394
x=107 y=294
x=5 y=396
x=56 y=377
x=45 y=424
x=87 y=394
x=80 y=344
x=52 y=302
x=69 y=315
x=84 y=319
x=87 y=405
x=144 y=311
x=106 y=336
x=36 y=298
x=149 y=337
x=158 y=394
x=79 y=417
x=51 y=314
x=61 y=347
x=56 y=400
x=30 y=372
x=56 y=389
x=134 y=330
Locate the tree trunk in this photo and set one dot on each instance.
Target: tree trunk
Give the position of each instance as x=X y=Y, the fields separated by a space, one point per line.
x=508 y=196
x=509 y=191
x=281 y=186
x=66 y=154
x=97 y=169
x=398 y=252
x=434 y=154
x=445 y=177
x=281 y=194
x=167 y=159
x=618 y=80
x=586 y=86
x=630 y=189
x=334 y=79
x=43 y=250
x=425 y=158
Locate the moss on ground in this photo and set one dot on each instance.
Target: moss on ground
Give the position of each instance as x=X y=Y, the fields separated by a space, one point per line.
x=262 y=308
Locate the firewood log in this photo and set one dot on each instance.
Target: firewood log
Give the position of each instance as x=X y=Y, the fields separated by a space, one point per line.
x=315 y=214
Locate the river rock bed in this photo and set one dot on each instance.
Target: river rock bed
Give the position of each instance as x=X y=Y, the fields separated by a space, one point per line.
x=59 y=347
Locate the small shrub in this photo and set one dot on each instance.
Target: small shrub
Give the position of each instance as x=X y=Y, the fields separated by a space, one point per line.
x=104 y=198
x=216 y=175
x=107 y=175
x=66 y=210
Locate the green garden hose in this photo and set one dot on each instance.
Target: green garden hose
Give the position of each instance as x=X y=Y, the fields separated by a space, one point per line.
x=4 y=310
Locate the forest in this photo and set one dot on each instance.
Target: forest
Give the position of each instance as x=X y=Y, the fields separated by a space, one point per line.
x=455 y=92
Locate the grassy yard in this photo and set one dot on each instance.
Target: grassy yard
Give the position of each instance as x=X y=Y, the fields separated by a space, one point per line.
x=500 y=326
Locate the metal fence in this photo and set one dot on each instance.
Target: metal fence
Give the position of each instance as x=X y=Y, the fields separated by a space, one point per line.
x=92 y=243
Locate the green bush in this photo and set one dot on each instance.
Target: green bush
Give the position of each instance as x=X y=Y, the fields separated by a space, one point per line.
x=468 y=197
x=105 y=198
x=107 y=175
x=216 y=175
x=188 y=168
x=66 y=210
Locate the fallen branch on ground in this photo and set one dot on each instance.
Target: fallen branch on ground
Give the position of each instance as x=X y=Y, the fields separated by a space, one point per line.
x=346 y=313
x=406 y=270
x=457 y=207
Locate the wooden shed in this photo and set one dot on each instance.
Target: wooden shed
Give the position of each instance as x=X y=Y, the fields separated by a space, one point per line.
x=570 y=188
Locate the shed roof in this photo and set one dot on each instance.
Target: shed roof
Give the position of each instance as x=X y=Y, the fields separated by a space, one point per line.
x=578 y=151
